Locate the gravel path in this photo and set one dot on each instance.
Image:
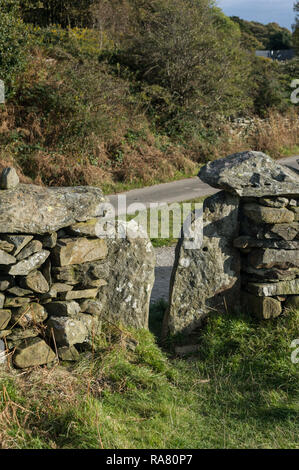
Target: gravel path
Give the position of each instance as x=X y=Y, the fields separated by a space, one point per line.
x=165 y=261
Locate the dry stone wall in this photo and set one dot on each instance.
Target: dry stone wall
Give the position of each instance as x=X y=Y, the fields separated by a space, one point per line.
x=269 y=249
x=58 y=280
x=249 y=256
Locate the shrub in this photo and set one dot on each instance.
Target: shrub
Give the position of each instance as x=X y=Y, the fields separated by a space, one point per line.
x=267 y=87
x=81 y=43
x=67 y=13
x=13 y=45
x=187 y=76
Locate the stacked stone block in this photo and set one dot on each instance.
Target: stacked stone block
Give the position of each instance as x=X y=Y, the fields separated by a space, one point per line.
x=269 y=246
x=248 y=257
x=33 y=295
x=58 y=279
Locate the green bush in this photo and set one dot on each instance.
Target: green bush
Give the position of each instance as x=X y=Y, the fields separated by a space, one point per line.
x=13 y=45
x=263 y=36
x=67 y=13
x=186 y=77
x=270 y=86
x=61 y=43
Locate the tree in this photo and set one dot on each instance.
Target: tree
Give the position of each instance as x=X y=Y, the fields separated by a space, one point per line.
x=13 y=44
x=61 y=12
x=269 y=36
x=186 y=56
x=113 y=18
x=280 y=40
x=267 y=87
x=249 y=42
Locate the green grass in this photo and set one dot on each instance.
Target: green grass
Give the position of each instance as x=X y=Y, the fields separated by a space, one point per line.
x=289 y=151
x=239 y=391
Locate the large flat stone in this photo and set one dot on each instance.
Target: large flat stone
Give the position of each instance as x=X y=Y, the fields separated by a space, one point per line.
x=250 y=174
x=18 y=335
x=33 y=247
x=269 y=275
x=24 y=267
x=125 y=278
x=268 y=215
x=79 y=294
x=284 y=231
x=84 y=229
x=33 y=352
x=84 y=274
x=63 y=308
x=67 y=331
x=5 y=316
x=287 y=232
x=56 y=288
x=130 y=272
x=268 y=258
x=18 y=241
x=36 y=282
x=19 y=292
x=273 y=289
x=31 y=314
x=261 y=307
x=40 y=210
x=206 y=277
x=15 y=302
x=246 y=242
x=6 y=259
x=70 y=251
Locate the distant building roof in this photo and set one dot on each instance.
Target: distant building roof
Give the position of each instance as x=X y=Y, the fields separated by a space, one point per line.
x=286 y=54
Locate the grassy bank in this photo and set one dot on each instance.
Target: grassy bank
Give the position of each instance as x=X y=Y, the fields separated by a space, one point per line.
x=239 y=391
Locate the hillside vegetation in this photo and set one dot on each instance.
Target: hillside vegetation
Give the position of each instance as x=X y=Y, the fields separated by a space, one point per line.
x=271 y=36
x=123 y=93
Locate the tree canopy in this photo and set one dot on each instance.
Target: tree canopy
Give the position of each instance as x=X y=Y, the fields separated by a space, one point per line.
x=260 y=36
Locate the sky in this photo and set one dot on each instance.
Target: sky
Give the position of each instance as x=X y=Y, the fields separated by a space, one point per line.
x=264 y=11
